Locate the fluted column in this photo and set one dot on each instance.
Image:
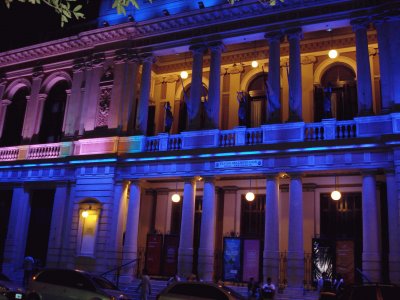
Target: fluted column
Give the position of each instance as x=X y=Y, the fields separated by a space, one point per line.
x=132 y=227
x=394 y=38
x=382 y=29
x=193 y=106
x=371 y=259
x=295 y=93
x=207 y=231
x=295 y=255
x=274 y=78
x=394 y=227
x=143 y=107
x=214 y=92
x=364 y=85
x=185 y=251
x=271 y=234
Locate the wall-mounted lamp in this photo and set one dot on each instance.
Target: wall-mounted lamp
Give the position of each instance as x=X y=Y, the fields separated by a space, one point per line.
x=336 y=195
x=254 y=63
x=184 y=75
x=165 y=12
x=332 y=53
x=85 y=214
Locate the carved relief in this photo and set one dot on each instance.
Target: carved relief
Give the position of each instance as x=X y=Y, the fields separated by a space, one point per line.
x=103 y=107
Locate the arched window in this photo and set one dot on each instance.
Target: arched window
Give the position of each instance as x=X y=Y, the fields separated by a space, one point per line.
x=53 y=114
x=14 y=119
x=257 y=101
x=336 y=97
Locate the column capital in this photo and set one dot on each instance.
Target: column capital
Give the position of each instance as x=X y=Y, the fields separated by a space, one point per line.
x=295 y=175
x=190 y=179
x=198 y=48
x=135 y=181
x=95 y=60
x=216 y=47
x=235 y=69
x=272 y=36
x=210 y=179
x=79 y=65
x=5 y=102
x=389 y=171
x=147 y=58
x=294 y=34
x=274 y=176
x=309 y=59
x=42 y=97
x=358 y=24
x=124 y=55
x=370 y=172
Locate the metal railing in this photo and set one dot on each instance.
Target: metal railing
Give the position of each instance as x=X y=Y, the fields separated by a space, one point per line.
x=117 y=271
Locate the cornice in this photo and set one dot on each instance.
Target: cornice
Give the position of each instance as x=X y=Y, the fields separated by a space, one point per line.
x=227 y=20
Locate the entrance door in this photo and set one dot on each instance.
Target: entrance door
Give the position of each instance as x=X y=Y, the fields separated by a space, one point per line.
x=39 y=225
x=5 y=205
x=341 y=221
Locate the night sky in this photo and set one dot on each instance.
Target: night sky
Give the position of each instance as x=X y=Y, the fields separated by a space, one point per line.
x=27 y=24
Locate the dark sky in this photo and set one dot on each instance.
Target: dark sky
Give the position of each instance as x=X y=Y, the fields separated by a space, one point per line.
x=26 y=24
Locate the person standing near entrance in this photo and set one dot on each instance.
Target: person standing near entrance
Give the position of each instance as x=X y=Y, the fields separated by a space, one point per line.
x=268 y=290
x=144 y=286
x=28 y=265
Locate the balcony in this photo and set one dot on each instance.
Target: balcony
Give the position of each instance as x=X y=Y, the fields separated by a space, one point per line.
x=273 y=135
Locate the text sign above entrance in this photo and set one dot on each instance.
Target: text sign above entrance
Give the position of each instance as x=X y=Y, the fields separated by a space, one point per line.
x=238 y=163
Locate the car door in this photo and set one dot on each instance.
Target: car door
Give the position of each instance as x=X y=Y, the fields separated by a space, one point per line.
x=80 y=287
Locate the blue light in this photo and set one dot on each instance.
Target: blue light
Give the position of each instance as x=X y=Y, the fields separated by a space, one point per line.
x=88 y=161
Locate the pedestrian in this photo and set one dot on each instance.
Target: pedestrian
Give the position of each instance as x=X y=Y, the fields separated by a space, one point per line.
x=28 y=265
x=144 y=286
x=169 y=118
x=268 y=290
x=252 y=288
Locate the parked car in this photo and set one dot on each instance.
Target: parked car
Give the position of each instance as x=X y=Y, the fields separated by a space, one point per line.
x=371 y=292
x=65 y=284
x=198 y=290
x=9 y=289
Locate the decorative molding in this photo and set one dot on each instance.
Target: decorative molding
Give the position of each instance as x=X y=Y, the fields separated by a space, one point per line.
x=306 y=60
x=103 y=108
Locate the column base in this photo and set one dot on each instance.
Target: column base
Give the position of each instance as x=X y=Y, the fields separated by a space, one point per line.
x=185 y=262
x=206 y=264
x=371 y=266
x=394 y=269
x=295 y=269
x=271 y=266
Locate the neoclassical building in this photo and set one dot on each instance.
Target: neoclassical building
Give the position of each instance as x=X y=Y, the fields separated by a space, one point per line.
x=99 y=129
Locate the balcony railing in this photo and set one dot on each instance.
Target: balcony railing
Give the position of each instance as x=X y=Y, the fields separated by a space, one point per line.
x=328 y=129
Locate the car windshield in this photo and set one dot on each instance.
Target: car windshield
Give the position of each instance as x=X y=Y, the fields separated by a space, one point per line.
x=104 y=283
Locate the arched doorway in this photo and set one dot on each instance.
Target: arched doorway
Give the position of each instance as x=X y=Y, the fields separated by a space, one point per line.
x=336 y=96
x=53 y=114
x=14 y=119
x=257 y=104
x=182 y=123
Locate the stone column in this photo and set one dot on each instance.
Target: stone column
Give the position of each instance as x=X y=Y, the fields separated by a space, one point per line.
x=132 y=229
x=394 y=38
x=371 y=257
x=58 y=221
x=40 y=109
x=271 y=234
x=15 y=244
x=193 y=105
x=295 y=93
x=214 y=91
x=364 y=86
x=394 y=227
x=207 y=231
x=3 y=110
x=385 y=63
x=185 y=251
x=93 y=74
x=295 y=255
x=143 y=108
x=274 y=78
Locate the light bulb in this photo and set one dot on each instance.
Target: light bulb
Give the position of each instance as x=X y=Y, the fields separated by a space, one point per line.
x=250 y=196
x=333 y=53
x=176 y=198
x=85 y=214
x=184 y=75
x=336 y=195
x=254 y=64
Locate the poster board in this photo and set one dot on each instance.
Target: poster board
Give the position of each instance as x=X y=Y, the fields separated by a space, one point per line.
x=232 y=259
x=251 y=259
x=170 y=255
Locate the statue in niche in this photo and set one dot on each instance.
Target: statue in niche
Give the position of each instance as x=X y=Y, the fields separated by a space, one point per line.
x=169 y=118
x=327 y=101
x=242 y=111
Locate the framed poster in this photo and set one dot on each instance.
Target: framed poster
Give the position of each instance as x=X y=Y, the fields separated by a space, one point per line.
x=232 y=259
x=170 y=255
x=251 y=260
x=323 y=256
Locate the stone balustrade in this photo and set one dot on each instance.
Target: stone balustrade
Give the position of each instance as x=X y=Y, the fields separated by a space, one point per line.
x=328 y=129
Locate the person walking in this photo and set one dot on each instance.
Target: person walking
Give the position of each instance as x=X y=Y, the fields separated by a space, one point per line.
x=144 y=286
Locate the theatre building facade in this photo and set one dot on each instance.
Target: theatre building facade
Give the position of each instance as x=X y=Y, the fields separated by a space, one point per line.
x=98 y=131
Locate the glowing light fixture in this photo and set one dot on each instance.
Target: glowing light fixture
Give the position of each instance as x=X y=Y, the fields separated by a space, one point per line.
x=250 y=195
x=336 y=195
x=176 y=197
x=332 y=53
x=254 y=64
x=85 y=214
x=184 y=75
